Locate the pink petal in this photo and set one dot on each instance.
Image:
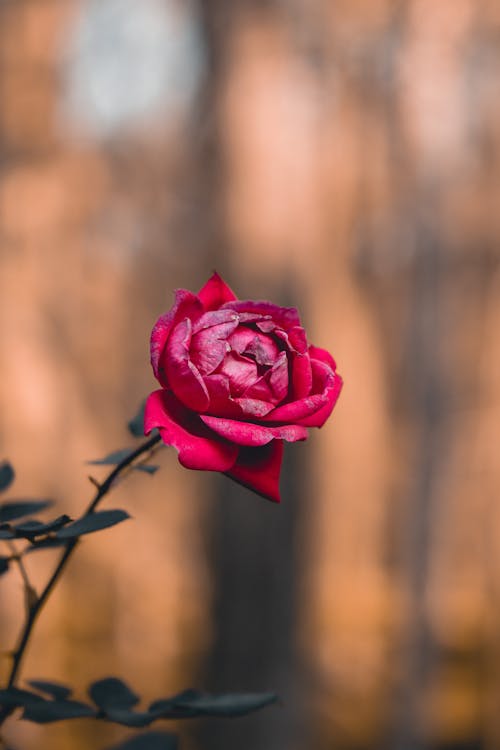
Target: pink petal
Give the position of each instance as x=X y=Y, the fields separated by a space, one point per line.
x=240 y=371
x=323 y=356
x=215 y=318
x=286 y=317
x=319 y=418
x=278 y=377
x=259 y=469
x=222 y=404
x=215 y=293
x=301 y=376
x=249 y=434
x=184 y=378
x=198 y=447
x=324 y=385
x=208 y=345
x=186 y=305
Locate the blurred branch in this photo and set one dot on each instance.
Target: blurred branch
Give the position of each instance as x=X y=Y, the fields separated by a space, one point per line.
x=36 y=605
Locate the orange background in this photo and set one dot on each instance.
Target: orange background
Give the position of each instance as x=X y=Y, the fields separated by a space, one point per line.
x=341 y=157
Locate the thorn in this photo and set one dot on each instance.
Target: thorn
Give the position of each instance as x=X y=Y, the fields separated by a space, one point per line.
x=94 y=481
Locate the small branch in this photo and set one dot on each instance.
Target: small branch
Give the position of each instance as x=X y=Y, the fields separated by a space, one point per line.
x=37 y=605
x=30 y=594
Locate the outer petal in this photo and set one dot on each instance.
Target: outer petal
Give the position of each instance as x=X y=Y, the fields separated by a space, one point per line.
x=323 y=356
x=246 y=433
x=186 y=305
x=325 y=390
x=319 y=418
x=259 y=469
x=198 y=447
x=183 y=376
x=215 y=293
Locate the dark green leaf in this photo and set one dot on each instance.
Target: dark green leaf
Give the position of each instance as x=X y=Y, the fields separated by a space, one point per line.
x=230 y=704
x=16 y=697
x=174 y=708
x=136 y=424
x=54 y=689
x=46 y=544
x=149 y=741
x=4 y=565
x=31 y=529
x=58 y=710
x=147 y=468
x=6 y=532
x=112 y=458
x=112 y=693
x=130 y=718
x=19 y=508
x=93 y=522
x=7 y=475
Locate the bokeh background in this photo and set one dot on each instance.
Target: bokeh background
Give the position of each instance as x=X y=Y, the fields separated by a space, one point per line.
x=342 y=157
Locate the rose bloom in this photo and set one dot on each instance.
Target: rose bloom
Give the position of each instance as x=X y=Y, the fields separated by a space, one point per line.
x=237 y=379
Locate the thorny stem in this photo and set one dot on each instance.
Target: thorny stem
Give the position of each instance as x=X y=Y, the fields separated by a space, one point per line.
x=37 y=604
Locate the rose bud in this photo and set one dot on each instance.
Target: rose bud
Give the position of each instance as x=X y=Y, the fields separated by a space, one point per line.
x=237 y=379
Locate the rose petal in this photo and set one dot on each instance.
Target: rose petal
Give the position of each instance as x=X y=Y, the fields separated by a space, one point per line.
x=240 y=371
x=323 y=382
x=217 y=318
x=186 y=305
x=247 y=433
x=222 y=404
x=301 y=376
x=198 y=447
x=278 y=377
x=319 y=418
x=286 y=317
x=215 y=293
x=184 y=378
x=259 y=469
x=323 y=356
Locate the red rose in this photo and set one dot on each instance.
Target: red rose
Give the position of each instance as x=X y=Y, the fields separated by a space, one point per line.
x=237 y=379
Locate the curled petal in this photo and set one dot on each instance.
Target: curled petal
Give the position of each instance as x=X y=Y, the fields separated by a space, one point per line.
x=198 y=447
x=249 y=434
x=259 y=469
x=319 y=417
x=286 y=317
x=323 y=356
x=222 y=404
x=326 y=387
x=186 y=305
x=215 y=293
x=183 y=376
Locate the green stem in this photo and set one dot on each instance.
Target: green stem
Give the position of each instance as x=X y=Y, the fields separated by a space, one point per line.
x=37 y=606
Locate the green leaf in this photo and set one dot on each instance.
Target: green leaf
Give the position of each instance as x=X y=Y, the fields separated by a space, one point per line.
x=4 y=565
x=102 y=519
x=58 y=710
x=128 y=718
x=112 y=459
x=31 y=529
x=230 y=704
x=7 y=475
x=112 y=693
x=6 y=532
x=148 y=741
x=147 y=468
x=136 y=424
x=19 y=508
x=54 y=689
x=16 y=697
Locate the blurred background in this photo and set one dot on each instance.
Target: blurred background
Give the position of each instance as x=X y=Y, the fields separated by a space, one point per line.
x=342 y=157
